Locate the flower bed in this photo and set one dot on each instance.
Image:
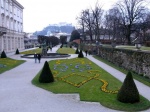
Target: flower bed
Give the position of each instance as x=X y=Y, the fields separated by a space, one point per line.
x=78 y=66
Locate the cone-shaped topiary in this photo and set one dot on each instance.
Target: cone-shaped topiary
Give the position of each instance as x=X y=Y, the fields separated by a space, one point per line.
x=77 y=51
x=61 y=46
x=128 y=92
x=3 y=55
x=17 y=51
x=80 y=54
x=46 y=75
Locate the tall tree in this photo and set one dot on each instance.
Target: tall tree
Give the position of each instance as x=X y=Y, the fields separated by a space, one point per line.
x=112 y=23
x=74 y=35
x=97 y=20
x=82 y=24
x=88 y=20
x=63 y=39
x=131 y=11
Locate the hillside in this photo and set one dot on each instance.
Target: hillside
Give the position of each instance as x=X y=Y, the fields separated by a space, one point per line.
x=54 y=28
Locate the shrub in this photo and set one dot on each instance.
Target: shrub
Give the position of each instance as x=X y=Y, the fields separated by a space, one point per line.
x=128 y=92
x=61 y=46
x=17 y=51
x=80 y=54
x=77 y=51
x=3 y=55
x=46 y=75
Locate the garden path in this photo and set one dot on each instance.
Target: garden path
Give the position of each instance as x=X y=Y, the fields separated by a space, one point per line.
x=17 y=94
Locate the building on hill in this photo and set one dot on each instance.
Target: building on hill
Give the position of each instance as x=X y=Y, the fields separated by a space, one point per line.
x=56 y=28
x=11 y=26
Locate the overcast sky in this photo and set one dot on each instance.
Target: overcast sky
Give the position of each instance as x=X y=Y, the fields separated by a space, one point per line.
x=37 y=14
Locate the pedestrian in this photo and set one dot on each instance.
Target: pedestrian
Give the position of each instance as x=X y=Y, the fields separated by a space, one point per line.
x=35 y=57
x=39 y=57
x=86 y=52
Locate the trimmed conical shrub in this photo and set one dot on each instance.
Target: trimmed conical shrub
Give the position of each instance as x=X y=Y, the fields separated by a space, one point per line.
x=17 y=51
x=77 y=51
x=61 y=46
x=80 y=54
x=3 y=55
x=128 y=92
x=46 y=75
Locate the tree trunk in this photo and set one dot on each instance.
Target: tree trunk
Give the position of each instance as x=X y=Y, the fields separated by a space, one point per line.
x=129 y=34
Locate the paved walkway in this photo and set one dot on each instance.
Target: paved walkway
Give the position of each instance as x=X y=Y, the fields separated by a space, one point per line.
x=17 y=94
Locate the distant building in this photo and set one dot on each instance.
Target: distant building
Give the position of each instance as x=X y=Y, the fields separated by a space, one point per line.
x=11 y=26
x=30 y=40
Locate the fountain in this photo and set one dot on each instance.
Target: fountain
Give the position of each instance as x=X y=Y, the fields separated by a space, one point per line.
x=44 y=54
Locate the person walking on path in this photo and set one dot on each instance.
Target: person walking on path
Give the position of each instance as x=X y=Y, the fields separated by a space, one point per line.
x=39 y=57
x=35 y=57
x=86 y=52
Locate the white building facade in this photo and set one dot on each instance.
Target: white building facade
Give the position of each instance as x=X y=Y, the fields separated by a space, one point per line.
x=11 y=26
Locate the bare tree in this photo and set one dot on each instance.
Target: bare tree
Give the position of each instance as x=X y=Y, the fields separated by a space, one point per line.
x=112 y=21
x=97 y=20
x=82 y=24
x=88 y=20
x=144 y=25
x=131 y=11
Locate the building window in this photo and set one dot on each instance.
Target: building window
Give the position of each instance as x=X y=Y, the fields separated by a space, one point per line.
x=2 y=20
x=11 y=7
x=2 y=3
x=11 y=24
x=9 y=47
x=4 y=41
x=15 y=25
x=7 y=5
x=7 y=23
x=12 y=42
x=14 y=10
x=18 y=12
x=20 y=27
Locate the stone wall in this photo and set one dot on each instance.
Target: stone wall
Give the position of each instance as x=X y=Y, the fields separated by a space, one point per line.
x=135 y=60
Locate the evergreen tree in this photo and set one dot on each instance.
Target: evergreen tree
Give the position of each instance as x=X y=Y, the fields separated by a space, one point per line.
x=128 y=92
x=46 y=75
x=77 y=51
x=17 y=51
x=3 y=54
x=80 y=54
x=74 y=35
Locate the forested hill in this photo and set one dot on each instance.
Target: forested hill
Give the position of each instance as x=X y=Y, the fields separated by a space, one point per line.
x=66 y=28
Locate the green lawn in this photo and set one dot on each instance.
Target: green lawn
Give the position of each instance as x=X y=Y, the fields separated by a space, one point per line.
x=9 y=64
x=66 y=50
x=33 y=51
x=80 y=75
x=133 y=47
